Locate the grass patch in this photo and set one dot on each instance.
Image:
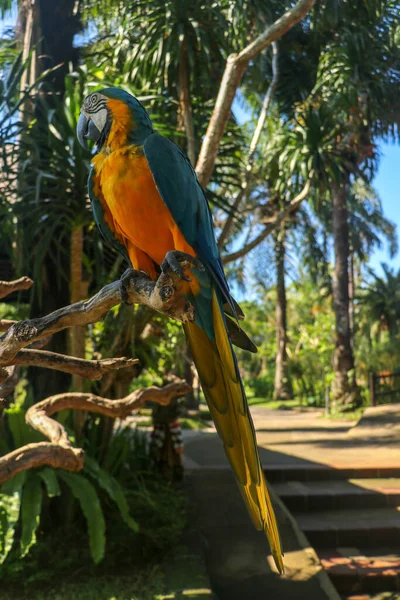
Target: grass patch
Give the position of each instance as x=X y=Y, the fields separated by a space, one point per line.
x=186 y=423
x=274 y=404
x=59 y=566
x=352 y=415
x=140 y=584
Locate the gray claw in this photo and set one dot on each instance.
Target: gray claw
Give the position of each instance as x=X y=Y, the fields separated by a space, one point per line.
x=172 y=261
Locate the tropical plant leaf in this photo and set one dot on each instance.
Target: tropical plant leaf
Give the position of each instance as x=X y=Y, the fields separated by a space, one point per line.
x=21 y=432
x=51 y=482
x=113 y=489
x=87 y=496
x=10 y=504
x=31 y=507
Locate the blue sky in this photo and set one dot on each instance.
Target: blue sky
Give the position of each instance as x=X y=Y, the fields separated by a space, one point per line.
x=387 y=184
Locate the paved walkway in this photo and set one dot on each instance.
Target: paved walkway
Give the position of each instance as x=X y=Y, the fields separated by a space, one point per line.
x=287 y=440
x=290 y=438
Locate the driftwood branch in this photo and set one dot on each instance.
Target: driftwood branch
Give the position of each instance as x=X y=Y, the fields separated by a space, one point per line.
x=8 y=287
x=9 y=377
x=273 y=224
x=236 y=66
x=6 y=324
x=59 y=452
x=164 y=295
x=227 y=228
x=90 y=369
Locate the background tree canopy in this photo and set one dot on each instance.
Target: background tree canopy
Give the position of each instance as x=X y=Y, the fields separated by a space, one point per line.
x=317 y=101
x=291 y=192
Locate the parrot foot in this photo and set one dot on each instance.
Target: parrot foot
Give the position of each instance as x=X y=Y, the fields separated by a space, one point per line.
x=125 y=283
x=178 y=262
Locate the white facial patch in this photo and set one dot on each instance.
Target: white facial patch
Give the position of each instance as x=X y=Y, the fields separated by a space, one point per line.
x=95 y=108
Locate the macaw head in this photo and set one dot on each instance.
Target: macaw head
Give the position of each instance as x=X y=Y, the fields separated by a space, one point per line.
x=113 y=116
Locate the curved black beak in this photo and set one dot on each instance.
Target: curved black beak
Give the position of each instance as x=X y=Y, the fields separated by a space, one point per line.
x=86 y=130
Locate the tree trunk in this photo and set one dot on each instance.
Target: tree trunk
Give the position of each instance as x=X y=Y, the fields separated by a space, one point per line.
x=345 y=393
x=282 y=386
x=351 y=299
x=192 y=402
x=46 y=29
x=76 y=339
x=76 y=334
x=185 y=105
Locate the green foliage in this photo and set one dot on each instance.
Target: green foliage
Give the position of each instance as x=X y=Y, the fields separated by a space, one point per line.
x=310 y=342
x=111 y=486
x=22 y=497
x=53 y=181
x=14 y=312
x=31 y=506
x=380 y=298
x=89 y=502
x=10 y=505
x=132 y=489
x=50 y=480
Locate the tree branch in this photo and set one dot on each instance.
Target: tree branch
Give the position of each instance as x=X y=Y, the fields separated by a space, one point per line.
x=9 y=377
x=274 y=224
x=164 y=295
x=226 y=230
x=90 y=369
x=6 y=324
x=8 y=287
x=59 y=452
x=236 y=65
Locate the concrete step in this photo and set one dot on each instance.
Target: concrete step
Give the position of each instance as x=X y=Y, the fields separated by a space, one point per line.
x=380 y=596
x=239 y=564
x=305 y=496
x=364 y=570
x=352 y=528
x=308 y=471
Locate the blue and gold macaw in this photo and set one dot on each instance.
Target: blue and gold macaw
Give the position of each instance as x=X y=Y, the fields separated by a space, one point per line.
x=147 y=202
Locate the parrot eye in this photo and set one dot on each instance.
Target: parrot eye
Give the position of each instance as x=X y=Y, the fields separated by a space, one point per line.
x=94 y=103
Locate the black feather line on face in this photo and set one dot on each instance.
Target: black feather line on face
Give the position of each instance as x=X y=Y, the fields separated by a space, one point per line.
x=94 y=103
x=104 y=135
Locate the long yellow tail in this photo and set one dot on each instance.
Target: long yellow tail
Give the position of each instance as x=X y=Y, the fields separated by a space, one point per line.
x=222 y=387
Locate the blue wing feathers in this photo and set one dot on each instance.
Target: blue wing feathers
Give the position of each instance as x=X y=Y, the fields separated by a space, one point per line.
x=177 y=184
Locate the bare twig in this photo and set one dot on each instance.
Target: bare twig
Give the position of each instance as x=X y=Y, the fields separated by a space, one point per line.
x=279 y=218
x=8 y=287
x=236 y=65
x=59 y=452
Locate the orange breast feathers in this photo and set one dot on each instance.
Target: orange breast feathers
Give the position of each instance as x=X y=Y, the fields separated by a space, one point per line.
x=134 y=210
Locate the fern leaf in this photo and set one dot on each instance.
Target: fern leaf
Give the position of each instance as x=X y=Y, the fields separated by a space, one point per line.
x=10 y=504
x=87 y=496
x=30 y=512
x=113 y=489
x=51 y=482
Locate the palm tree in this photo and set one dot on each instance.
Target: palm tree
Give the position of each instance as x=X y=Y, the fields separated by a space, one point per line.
x=173 y=49
x=368 y=227
x=381 y=297
x=352 y=102
x=282 y=386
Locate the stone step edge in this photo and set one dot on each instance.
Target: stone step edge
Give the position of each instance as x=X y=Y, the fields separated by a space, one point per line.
x=278 y=473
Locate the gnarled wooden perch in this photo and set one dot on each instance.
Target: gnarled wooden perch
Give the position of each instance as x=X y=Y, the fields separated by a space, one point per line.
x=164 y=295
x=8 y=287
x=59 y=452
